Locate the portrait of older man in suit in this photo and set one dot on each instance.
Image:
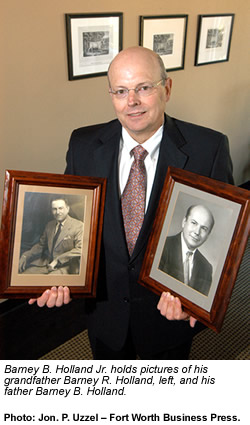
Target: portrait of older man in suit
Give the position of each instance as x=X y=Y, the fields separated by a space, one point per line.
x=181 y=257
x=60 y=246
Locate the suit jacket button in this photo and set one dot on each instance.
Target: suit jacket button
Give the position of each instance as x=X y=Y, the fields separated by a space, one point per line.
x=126 y=299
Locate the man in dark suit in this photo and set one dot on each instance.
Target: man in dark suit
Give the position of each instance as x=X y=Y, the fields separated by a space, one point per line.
x=60 y=246
x=127 y=319
x=180 y=256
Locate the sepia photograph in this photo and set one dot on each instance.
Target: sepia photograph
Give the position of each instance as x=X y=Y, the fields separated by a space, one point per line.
x=50 y=233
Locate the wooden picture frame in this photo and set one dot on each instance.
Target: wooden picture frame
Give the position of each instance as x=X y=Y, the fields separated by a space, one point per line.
x=34 y=205
x=228 y=206
x=213 y=38
x=165 y=35
x=93 y=40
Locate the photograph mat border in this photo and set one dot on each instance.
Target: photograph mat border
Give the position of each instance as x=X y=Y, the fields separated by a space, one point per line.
x=206 y=56
x=16 y=178
x=177 y=24
x=27 y=280
x=191 y=294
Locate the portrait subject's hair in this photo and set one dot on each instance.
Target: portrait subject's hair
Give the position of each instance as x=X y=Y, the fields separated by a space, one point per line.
x=60 y=198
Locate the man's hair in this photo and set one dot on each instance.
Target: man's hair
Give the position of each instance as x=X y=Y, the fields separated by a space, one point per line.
x=189 y=210
x=60 y=198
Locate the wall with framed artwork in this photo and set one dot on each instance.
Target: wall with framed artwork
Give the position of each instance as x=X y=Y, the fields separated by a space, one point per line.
x=40 y=106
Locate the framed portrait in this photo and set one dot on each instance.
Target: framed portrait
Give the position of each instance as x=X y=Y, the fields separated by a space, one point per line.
x=50 y=233
x=93 y=40
x=165 y=35
x=213 y=38
x=197 y=243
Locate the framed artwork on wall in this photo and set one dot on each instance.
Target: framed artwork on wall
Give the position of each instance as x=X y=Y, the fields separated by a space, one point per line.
x=210 y=221
x=93 y=40
x=50 y=233
x=213 y=38
x=166 y=35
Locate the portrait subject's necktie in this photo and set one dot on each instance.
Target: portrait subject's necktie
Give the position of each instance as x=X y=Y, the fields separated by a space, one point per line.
x=133 y=197
x=59 y=228
x=187 y=267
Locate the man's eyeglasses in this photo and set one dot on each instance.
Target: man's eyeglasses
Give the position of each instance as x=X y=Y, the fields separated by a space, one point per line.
x=142 y=90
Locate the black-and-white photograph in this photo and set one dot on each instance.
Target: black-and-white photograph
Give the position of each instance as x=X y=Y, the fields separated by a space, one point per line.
x=93 y=40
x=52 y=233
x=95 y=43
x=214 y=36
x=200 y=228
x=181 y=257
x=165 y=35
x=163 y=44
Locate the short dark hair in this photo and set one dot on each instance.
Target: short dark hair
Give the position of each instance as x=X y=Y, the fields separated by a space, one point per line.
x=60 y=198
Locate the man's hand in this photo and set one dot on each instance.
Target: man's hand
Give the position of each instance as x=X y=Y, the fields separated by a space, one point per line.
x=54 y=297
x=170 y=307
x=52 y=266
x=22 y=264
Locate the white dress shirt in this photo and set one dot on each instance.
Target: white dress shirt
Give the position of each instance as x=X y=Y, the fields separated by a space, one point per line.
x=185 y=249
x=126 y=159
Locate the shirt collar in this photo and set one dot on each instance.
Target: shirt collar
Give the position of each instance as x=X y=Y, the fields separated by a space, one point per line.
x=185 y=248
x=151 y=145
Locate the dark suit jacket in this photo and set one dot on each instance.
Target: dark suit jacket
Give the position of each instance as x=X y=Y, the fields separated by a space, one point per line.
x=121 y=302
x=172 y=263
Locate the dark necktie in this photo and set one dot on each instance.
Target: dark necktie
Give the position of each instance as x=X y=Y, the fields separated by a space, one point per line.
x=186 y=267
x=133 y=198
x=59 y=228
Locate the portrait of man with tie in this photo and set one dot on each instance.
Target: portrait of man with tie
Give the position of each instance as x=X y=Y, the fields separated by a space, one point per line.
x=60 y=246
x=181 y=257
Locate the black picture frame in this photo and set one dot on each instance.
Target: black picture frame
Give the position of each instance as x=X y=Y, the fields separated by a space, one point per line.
x=214 y=37
x=166 y=35
x=93 y=40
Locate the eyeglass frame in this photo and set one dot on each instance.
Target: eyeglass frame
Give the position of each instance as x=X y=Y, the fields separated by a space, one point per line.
x=136 y=89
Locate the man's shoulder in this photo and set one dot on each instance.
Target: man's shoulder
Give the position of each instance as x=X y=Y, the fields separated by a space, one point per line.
x=73 y=221
x=202 y=260
x=192 y=131
x=96 y=130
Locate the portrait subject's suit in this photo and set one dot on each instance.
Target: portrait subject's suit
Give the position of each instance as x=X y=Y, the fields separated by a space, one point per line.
x=67 y=247
x=171 y=262
x=121 y=302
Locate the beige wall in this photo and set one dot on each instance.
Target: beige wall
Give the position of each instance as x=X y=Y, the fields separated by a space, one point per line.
x=39 y=107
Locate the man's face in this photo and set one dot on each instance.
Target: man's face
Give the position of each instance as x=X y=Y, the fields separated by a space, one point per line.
x=196 y=227
x=141 y=116
x=59 y=210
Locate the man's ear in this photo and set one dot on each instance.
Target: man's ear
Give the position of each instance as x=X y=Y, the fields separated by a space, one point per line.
x=168 y=88
x=183 y=222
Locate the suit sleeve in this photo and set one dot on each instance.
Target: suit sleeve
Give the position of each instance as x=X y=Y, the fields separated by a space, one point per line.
x=222 y=167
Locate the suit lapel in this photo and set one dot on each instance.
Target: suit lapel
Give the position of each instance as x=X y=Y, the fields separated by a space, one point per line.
x=106 y=162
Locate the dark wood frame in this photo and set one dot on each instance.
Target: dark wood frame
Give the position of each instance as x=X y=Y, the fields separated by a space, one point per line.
x=213 y=318
x=86 y=16
x=201 y=20
x=166 y=18
x=18 y=180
